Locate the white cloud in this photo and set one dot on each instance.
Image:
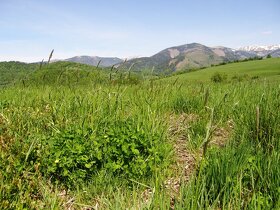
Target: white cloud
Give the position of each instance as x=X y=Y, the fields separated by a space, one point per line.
x=27 y=59
x=267 y=32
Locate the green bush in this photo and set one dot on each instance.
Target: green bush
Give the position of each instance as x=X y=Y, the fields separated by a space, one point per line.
x=268 y=56
x=218 y=77
x=240 y=77
x=119 y=147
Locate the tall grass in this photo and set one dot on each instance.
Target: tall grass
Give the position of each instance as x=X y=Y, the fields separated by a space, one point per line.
x=93 y=143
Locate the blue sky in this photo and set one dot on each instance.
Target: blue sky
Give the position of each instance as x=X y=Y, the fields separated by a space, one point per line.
x=30 y=29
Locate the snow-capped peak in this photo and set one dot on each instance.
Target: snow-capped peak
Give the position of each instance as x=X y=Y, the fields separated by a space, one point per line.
x=258 y=48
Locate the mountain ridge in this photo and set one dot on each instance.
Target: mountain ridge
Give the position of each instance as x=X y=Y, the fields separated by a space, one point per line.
x=261 y=50
x=189 y=56
x=181 y=57
x=95 y=60
x=259 y=47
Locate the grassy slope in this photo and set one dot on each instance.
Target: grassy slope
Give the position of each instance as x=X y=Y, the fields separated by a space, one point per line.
x=242 y=174
x=13 y=71
x=269 y=68
x=62 y=73
x=65 y=73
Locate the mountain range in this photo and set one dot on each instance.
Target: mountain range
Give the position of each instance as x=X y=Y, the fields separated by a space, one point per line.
x=195 y=55
x=273 y=50
x=95 y=60
x=188 y=56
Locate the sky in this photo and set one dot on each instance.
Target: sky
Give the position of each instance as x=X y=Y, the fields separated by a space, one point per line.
x=30 y=29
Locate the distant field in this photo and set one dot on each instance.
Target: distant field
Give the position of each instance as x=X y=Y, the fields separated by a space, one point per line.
x=267 y=68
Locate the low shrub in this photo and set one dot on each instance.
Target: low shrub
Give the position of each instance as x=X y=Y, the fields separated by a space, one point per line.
x=218 y=77
x=240 y=77
x=121 y=148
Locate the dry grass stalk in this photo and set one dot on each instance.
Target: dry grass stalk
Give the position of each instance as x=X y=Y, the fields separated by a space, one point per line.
x=208 y=133
x=41 y=64
x=98 y=63
x=206 y=97
x=258 y=120
x=50 y=57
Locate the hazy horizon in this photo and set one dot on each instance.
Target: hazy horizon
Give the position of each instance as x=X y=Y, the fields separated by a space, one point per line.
x=126 y=29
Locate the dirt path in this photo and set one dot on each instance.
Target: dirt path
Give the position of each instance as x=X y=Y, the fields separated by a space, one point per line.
x=185 y=162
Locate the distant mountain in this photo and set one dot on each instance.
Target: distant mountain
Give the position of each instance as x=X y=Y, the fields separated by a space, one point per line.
x=94 y=60
x=196 y=55
x=258 y=48
x=262 y=50
x=275 y=53
x=175 y=58
x=187 y=56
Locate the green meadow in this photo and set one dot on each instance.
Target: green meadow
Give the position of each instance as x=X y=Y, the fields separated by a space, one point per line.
x=267 y=68
x=79 y=137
